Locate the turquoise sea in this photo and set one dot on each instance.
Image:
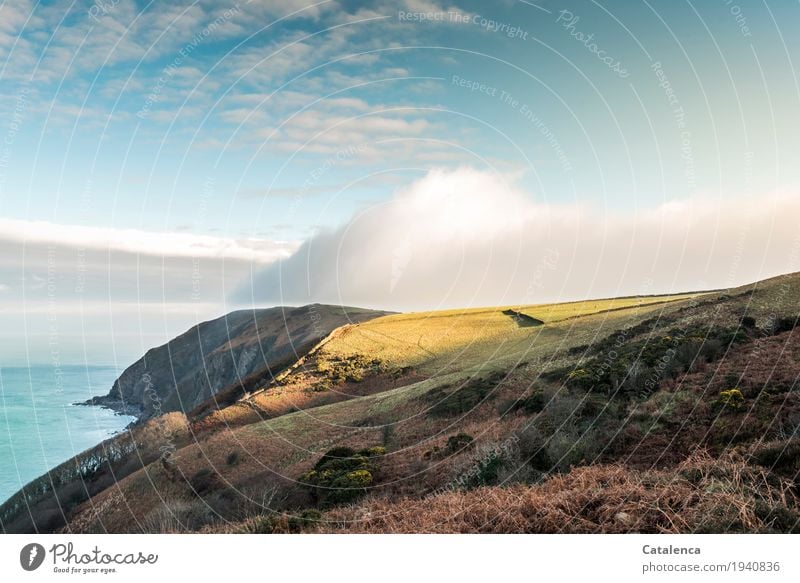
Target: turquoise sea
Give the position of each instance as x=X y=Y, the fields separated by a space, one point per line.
x=40 y=426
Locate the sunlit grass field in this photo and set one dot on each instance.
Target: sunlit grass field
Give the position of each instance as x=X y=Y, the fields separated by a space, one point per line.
x=441 y=341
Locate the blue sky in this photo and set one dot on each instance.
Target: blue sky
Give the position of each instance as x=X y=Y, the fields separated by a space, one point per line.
x=160 y=133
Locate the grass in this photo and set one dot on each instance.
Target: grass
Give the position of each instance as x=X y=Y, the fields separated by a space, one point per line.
x=452 y=391
x=444 y=341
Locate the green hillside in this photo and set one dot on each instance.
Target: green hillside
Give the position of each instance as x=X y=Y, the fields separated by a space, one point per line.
x=656 y=414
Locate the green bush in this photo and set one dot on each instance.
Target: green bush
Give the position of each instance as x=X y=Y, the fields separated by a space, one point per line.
x=335 y=454
x=233 y=458
x=341 y=475
x=731 y=399
x=353 y=368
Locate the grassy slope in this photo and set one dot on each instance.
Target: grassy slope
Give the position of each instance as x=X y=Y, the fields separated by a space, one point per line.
x=443 y=341
x=275 y=436
x=446 y=348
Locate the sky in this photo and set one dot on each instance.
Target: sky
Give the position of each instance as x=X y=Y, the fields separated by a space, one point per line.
x=164 y=163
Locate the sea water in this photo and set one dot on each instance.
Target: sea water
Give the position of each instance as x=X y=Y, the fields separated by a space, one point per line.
x=40 y=425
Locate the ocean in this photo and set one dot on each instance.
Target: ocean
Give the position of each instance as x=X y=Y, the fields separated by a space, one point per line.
x=40 y=426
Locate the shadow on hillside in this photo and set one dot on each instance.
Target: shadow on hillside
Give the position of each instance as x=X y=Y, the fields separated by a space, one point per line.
x=523 y=320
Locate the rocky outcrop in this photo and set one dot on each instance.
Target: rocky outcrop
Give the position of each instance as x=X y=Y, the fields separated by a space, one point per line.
x=218 y=354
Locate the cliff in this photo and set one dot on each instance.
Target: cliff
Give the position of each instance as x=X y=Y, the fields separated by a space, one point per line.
x=218 y=354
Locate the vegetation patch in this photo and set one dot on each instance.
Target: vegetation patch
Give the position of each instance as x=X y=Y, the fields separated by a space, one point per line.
x=205 y=481
x=341 y=475
x=782 y=457
x=701 y=495
x=445 y=401
x=625 y=366
x=730 y=400
x=353 y=368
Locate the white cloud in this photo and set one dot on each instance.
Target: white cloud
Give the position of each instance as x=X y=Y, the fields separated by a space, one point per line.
x=144 y=242
x=113 y=292
x=468 y=238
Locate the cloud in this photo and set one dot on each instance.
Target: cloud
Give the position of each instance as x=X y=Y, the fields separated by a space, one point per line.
x=144 y=242
x=102 y=294
x=467 y=238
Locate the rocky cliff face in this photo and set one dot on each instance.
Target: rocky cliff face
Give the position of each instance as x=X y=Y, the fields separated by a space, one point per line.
x=214 y=355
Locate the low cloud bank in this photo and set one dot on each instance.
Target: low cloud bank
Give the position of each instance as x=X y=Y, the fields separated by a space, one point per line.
x=467 y=238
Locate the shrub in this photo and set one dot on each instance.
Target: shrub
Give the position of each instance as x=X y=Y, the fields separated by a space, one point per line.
x=725 y=495
x=731 y=399
x=580 y=378
x=321 y=386
x=204 y=481
x=447 y=403
x=387 y=431
x=176 y=516
x=304 y=520
x=636 y=368
x=456 y=443
x=341 y=475
x=533 y=449
x=353 y=368
x=782 y=457
x=784 y=325
x=233 y=458
x=529 y=405
x=335 y=453
x=261 y=524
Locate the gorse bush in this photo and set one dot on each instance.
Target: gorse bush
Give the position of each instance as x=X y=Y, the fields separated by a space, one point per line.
x=731 y=399
x=341 y=475
x=353 y=368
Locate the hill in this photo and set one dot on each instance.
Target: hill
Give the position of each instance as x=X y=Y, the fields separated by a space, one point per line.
x=654 y=414
x=219 y=354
